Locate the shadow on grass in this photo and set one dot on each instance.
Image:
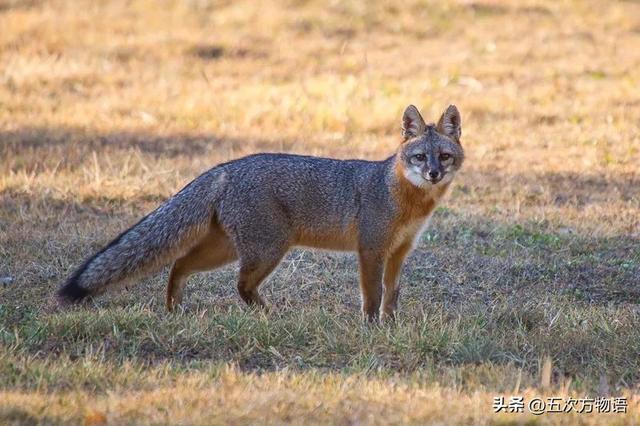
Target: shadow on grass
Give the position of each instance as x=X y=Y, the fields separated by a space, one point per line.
x=561 y=189
x=29 y=146
x=478 y=258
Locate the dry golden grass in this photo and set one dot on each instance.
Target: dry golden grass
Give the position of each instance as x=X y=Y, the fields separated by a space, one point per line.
x=276 y=398
x=108 y=107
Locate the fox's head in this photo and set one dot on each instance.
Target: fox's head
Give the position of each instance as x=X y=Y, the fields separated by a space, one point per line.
x=431 y=154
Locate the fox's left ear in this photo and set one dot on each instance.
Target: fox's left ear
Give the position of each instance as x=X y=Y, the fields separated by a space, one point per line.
x=450 y=123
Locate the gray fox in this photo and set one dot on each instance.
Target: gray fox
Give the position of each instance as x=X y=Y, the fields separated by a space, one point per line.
x=255 y=208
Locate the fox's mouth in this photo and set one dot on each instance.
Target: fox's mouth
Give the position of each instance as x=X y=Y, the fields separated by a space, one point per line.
x=433 y=181
x=443 y=178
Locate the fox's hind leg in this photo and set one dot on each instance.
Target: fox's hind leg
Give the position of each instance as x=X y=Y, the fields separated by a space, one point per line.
x=261 y=233
x=212 y=252
x=253 y=272
x=258 y=258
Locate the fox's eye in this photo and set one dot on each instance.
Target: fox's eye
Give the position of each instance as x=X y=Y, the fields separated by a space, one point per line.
x=444 y=157
x=420 y=157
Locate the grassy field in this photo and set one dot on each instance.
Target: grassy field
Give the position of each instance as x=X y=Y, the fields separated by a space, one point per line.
x=527 y=282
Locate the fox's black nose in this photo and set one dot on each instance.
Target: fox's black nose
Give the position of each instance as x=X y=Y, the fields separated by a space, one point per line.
x=434 y=174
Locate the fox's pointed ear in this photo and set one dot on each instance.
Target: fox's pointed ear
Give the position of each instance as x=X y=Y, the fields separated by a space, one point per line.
x=412 y=123
x=450 y=123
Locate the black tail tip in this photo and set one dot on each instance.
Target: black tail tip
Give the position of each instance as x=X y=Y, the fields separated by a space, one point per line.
x=72 y=292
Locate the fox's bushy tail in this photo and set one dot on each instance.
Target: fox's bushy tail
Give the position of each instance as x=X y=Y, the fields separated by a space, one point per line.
x=165 y=234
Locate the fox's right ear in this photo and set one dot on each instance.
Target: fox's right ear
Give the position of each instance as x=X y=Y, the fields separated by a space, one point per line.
x=412 y=123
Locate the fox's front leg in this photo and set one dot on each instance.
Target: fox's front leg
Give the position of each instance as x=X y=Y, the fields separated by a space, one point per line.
x=391 y=280
x=371 y=268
